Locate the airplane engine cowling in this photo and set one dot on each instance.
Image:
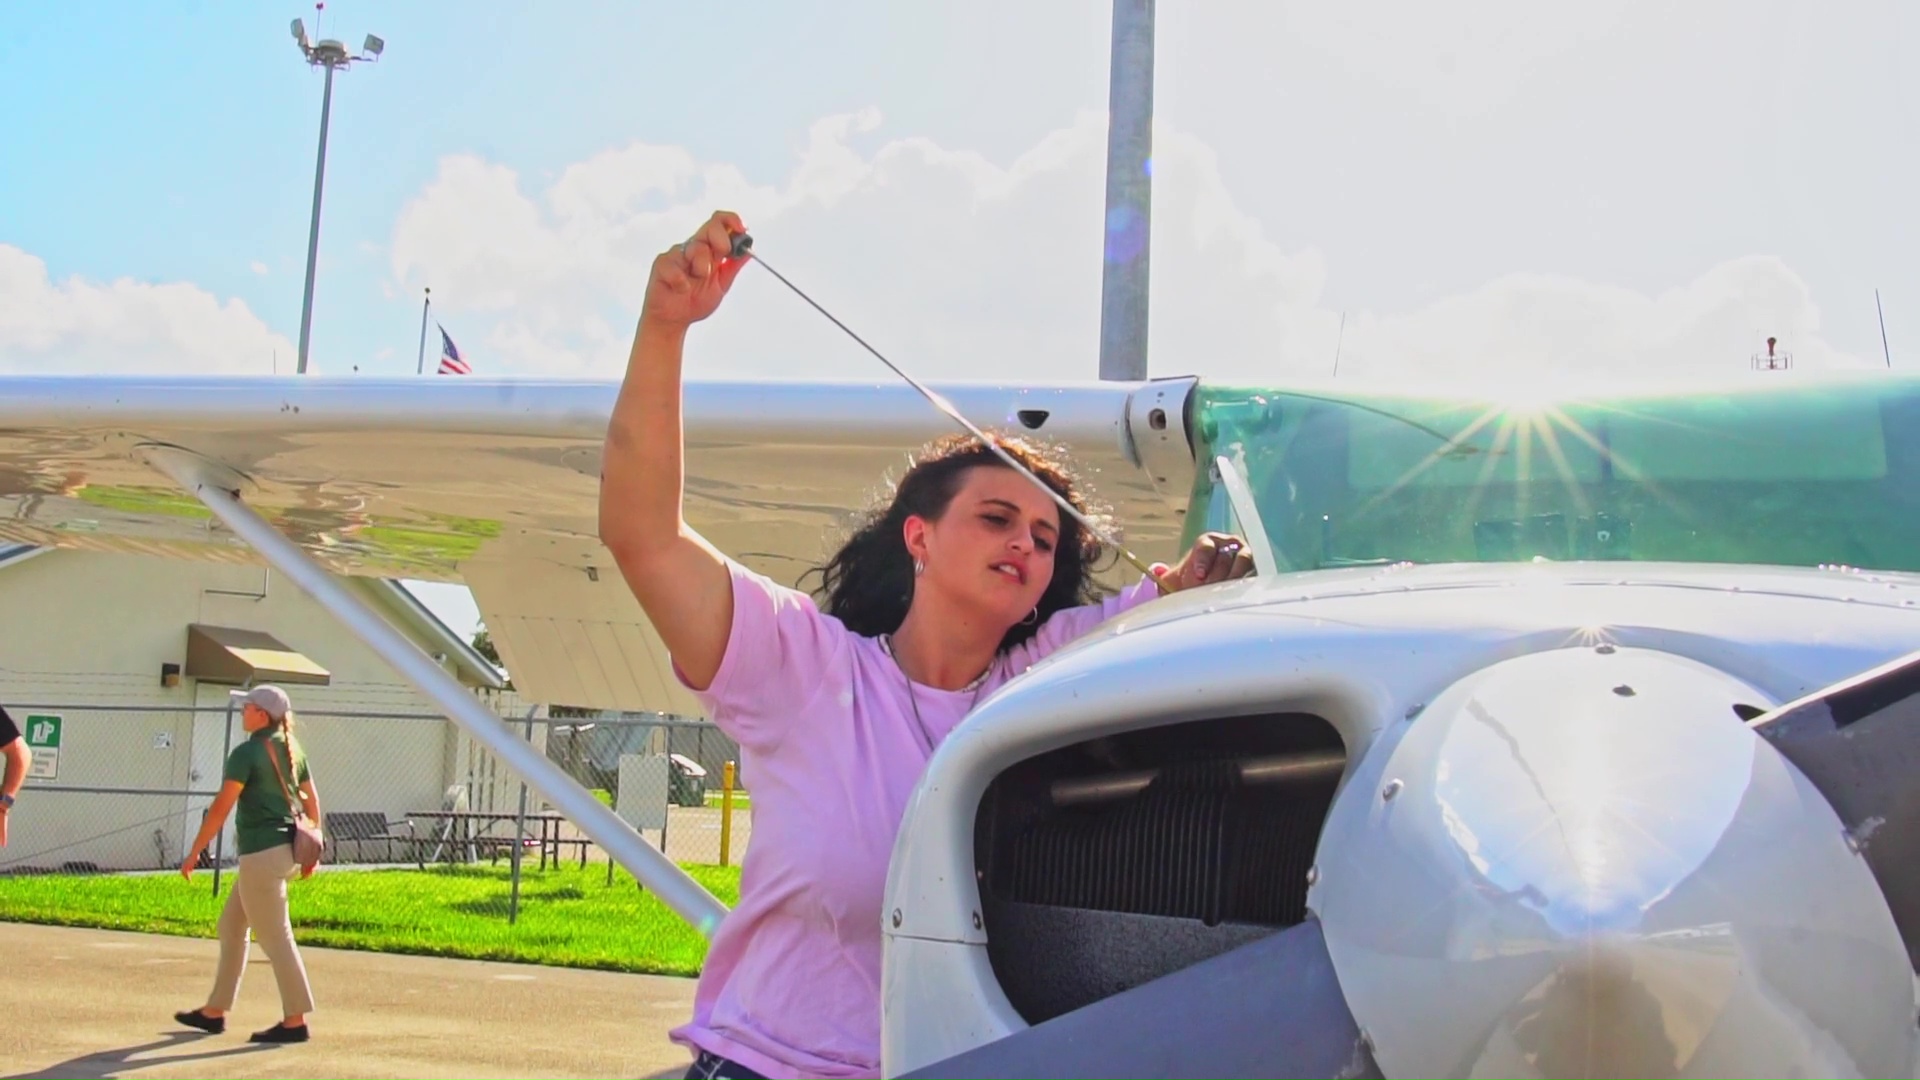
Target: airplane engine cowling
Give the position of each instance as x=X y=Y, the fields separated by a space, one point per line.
x=1584 y=863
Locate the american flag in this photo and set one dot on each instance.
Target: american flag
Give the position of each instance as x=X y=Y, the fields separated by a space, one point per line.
x=450 y=362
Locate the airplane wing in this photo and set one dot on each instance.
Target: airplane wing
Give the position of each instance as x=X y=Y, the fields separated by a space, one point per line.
x=495 y=483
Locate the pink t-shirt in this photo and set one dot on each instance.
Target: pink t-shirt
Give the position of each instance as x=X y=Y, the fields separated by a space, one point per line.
x=828 y=740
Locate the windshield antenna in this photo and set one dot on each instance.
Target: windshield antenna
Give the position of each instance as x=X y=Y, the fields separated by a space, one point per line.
x=743 y=248
x=1883 y=328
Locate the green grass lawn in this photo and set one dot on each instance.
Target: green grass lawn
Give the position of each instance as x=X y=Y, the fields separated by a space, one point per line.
x=568 y=916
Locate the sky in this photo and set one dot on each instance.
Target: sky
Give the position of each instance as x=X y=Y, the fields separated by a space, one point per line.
x=1490 y=187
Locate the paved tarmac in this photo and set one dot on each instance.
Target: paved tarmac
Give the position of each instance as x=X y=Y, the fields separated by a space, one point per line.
x=100 y=1003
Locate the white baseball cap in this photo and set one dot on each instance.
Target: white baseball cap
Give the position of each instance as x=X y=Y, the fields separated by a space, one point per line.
x=271 y=699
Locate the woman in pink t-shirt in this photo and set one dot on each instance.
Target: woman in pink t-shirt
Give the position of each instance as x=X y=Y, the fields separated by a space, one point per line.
x=964 y=580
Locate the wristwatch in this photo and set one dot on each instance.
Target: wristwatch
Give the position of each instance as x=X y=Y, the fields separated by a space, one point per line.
x=6 y=801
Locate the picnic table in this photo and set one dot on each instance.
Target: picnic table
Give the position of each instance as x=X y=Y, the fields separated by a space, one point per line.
x=473 y=829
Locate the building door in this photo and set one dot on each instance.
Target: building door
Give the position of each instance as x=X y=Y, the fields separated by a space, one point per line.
x=216 y=731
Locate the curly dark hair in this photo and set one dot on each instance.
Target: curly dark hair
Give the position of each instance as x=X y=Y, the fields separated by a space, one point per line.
x=868 y=584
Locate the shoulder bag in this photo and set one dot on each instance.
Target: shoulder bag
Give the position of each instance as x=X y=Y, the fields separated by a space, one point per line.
x=308 y=845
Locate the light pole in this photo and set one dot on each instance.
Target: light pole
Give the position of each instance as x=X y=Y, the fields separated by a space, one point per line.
x=1129 y=209
x=329 y=54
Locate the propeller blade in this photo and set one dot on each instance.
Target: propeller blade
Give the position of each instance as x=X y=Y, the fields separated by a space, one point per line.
x=1272 y=1007
x=1858 y=741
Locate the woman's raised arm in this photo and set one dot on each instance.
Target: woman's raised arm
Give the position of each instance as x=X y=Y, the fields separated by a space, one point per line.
x=680 y=580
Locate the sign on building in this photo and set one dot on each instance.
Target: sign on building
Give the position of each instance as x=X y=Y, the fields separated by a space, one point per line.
x=43 y=738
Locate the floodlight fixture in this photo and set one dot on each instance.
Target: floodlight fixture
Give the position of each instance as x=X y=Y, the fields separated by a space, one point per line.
x=330 y=55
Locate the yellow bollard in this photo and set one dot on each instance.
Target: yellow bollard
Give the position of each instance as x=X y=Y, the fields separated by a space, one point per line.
x=726 y=811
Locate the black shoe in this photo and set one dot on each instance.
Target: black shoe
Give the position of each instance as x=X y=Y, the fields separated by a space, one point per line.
x=280 y=1033
x=197 y=1019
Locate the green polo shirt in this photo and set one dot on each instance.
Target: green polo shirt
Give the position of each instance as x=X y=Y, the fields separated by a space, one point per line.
x=263 y=817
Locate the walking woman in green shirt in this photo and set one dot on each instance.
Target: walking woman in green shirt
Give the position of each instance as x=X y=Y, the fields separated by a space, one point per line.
x=261 y=776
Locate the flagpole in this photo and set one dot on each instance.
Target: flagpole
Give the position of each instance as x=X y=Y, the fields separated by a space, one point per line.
x=420 y=364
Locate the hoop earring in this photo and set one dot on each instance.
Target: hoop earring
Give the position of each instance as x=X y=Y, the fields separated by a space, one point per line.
x=919 y=568
x=1032 y=616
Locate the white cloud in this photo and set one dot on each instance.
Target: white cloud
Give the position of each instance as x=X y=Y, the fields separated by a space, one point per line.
x=956 y=266
x=1441 y=63
x=952 y=264
x=258 y=267
x=124 y=326
x=1527 y=323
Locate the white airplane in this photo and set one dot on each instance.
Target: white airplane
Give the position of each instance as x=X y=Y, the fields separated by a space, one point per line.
x=1563 y=737
x=1563 y=734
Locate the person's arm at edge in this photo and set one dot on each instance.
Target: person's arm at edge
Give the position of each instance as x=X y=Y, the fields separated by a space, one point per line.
x=19 y=759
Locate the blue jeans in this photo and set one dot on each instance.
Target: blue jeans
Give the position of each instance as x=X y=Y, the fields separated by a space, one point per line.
x=709 y=1066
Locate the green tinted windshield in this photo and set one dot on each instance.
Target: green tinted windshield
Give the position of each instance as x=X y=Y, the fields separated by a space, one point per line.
x=1802 y=473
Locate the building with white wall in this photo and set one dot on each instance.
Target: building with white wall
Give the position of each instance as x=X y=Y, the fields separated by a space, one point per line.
x=138 y=656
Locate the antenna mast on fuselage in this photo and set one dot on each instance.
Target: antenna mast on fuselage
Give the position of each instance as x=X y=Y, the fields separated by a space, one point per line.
x=1774 y=359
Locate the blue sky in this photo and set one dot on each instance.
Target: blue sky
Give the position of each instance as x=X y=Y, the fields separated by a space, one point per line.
x=1508 y=186
x=176 y=141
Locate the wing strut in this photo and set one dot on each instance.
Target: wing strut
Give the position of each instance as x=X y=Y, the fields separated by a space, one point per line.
x=218 y=487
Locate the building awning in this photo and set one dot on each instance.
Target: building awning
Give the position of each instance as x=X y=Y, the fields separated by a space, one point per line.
x=225 y=654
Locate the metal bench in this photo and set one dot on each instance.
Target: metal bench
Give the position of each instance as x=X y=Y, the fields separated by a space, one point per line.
x=360 y=826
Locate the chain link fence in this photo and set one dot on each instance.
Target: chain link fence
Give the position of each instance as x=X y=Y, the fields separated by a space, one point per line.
x=411 y=803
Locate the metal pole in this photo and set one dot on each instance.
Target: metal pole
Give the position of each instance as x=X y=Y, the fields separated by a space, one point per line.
x=420 y=364
x=313 y=230
x=519 y=835
x=1124 y=277
x=726 y=810
x=216 y=487
x=220 y=838
x=666 y=812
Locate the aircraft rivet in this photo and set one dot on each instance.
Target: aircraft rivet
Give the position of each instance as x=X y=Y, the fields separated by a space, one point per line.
x=1393 y=788
x=896 y=918
x=976 y=920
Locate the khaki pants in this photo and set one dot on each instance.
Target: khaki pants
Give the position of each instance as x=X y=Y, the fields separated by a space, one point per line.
x=259 y=901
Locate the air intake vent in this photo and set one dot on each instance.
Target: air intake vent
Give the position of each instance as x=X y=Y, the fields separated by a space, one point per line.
x=1195 y=844
x=1096 y=881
